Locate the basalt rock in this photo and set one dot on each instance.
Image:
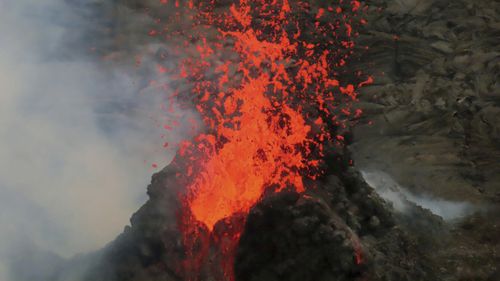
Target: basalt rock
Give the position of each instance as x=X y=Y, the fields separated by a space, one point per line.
x=330 y=234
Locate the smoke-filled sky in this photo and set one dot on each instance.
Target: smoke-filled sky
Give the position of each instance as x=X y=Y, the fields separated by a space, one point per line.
x=76 y=137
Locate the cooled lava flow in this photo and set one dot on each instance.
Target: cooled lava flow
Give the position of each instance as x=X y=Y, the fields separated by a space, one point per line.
x=270 y=90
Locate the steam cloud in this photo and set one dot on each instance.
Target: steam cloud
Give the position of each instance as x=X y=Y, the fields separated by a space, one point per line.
x=400 y=197
x=76 y=138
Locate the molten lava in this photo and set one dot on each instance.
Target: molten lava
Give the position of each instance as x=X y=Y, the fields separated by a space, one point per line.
x=266 y=80
x=259 y=150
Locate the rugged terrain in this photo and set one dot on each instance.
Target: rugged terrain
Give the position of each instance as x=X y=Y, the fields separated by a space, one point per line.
x=432 y=117
x=431 y=122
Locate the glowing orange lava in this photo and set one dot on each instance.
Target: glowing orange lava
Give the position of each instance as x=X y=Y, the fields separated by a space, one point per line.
x=260 y=135
x=269 y=93
x=259 y=151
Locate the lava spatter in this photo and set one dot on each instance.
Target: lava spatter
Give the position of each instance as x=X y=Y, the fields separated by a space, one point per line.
x=267 y=80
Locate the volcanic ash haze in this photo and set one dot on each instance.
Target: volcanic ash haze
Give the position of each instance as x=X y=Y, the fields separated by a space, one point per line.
x=77 y=132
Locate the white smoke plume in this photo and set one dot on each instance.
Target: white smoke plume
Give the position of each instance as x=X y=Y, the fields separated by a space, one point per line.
x=77 y=139
x=401 y=197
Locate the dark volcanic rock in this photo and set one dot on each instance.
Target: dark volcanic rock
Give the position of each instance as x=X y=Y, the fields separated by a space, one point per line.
x=435 y=106
x=151 y=247
x=294 y=237
x=436 y=92
x=340 y=230
x=433 y=112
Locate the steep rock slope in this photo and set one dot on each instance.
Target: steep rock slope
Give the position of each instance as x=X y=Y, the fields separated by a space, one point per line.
x=432 y=117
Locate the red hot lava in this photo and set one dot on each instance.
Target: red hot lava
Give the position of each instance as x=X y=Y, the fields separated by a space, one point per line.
x=266 y=81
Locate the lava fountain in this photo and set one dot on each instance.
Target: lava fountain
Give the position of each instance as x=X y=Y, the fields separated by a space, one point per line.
x=268 y=79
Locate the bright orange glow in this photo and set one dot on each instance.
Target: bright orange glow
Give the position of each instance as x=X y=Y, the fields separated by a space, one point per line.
x=260 y=134
x=269 y=92
x=259 y=152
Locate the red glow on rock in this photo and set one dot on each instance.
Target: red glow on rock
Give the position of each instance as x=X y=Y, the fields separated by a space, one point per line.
x=359 y=258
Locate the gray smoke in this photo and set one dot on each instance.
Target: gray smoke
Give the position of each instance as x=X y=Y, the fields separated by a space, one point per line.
x=78 y=135
x=401 y=197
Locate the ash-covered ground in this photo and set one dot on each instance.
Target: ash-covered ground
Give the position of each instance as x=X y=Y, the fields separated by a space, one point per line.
x=420 y=202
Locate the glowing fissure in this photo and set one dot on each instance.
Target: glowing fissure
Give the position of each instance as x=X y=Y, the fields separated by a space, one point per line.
x=269 y=92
